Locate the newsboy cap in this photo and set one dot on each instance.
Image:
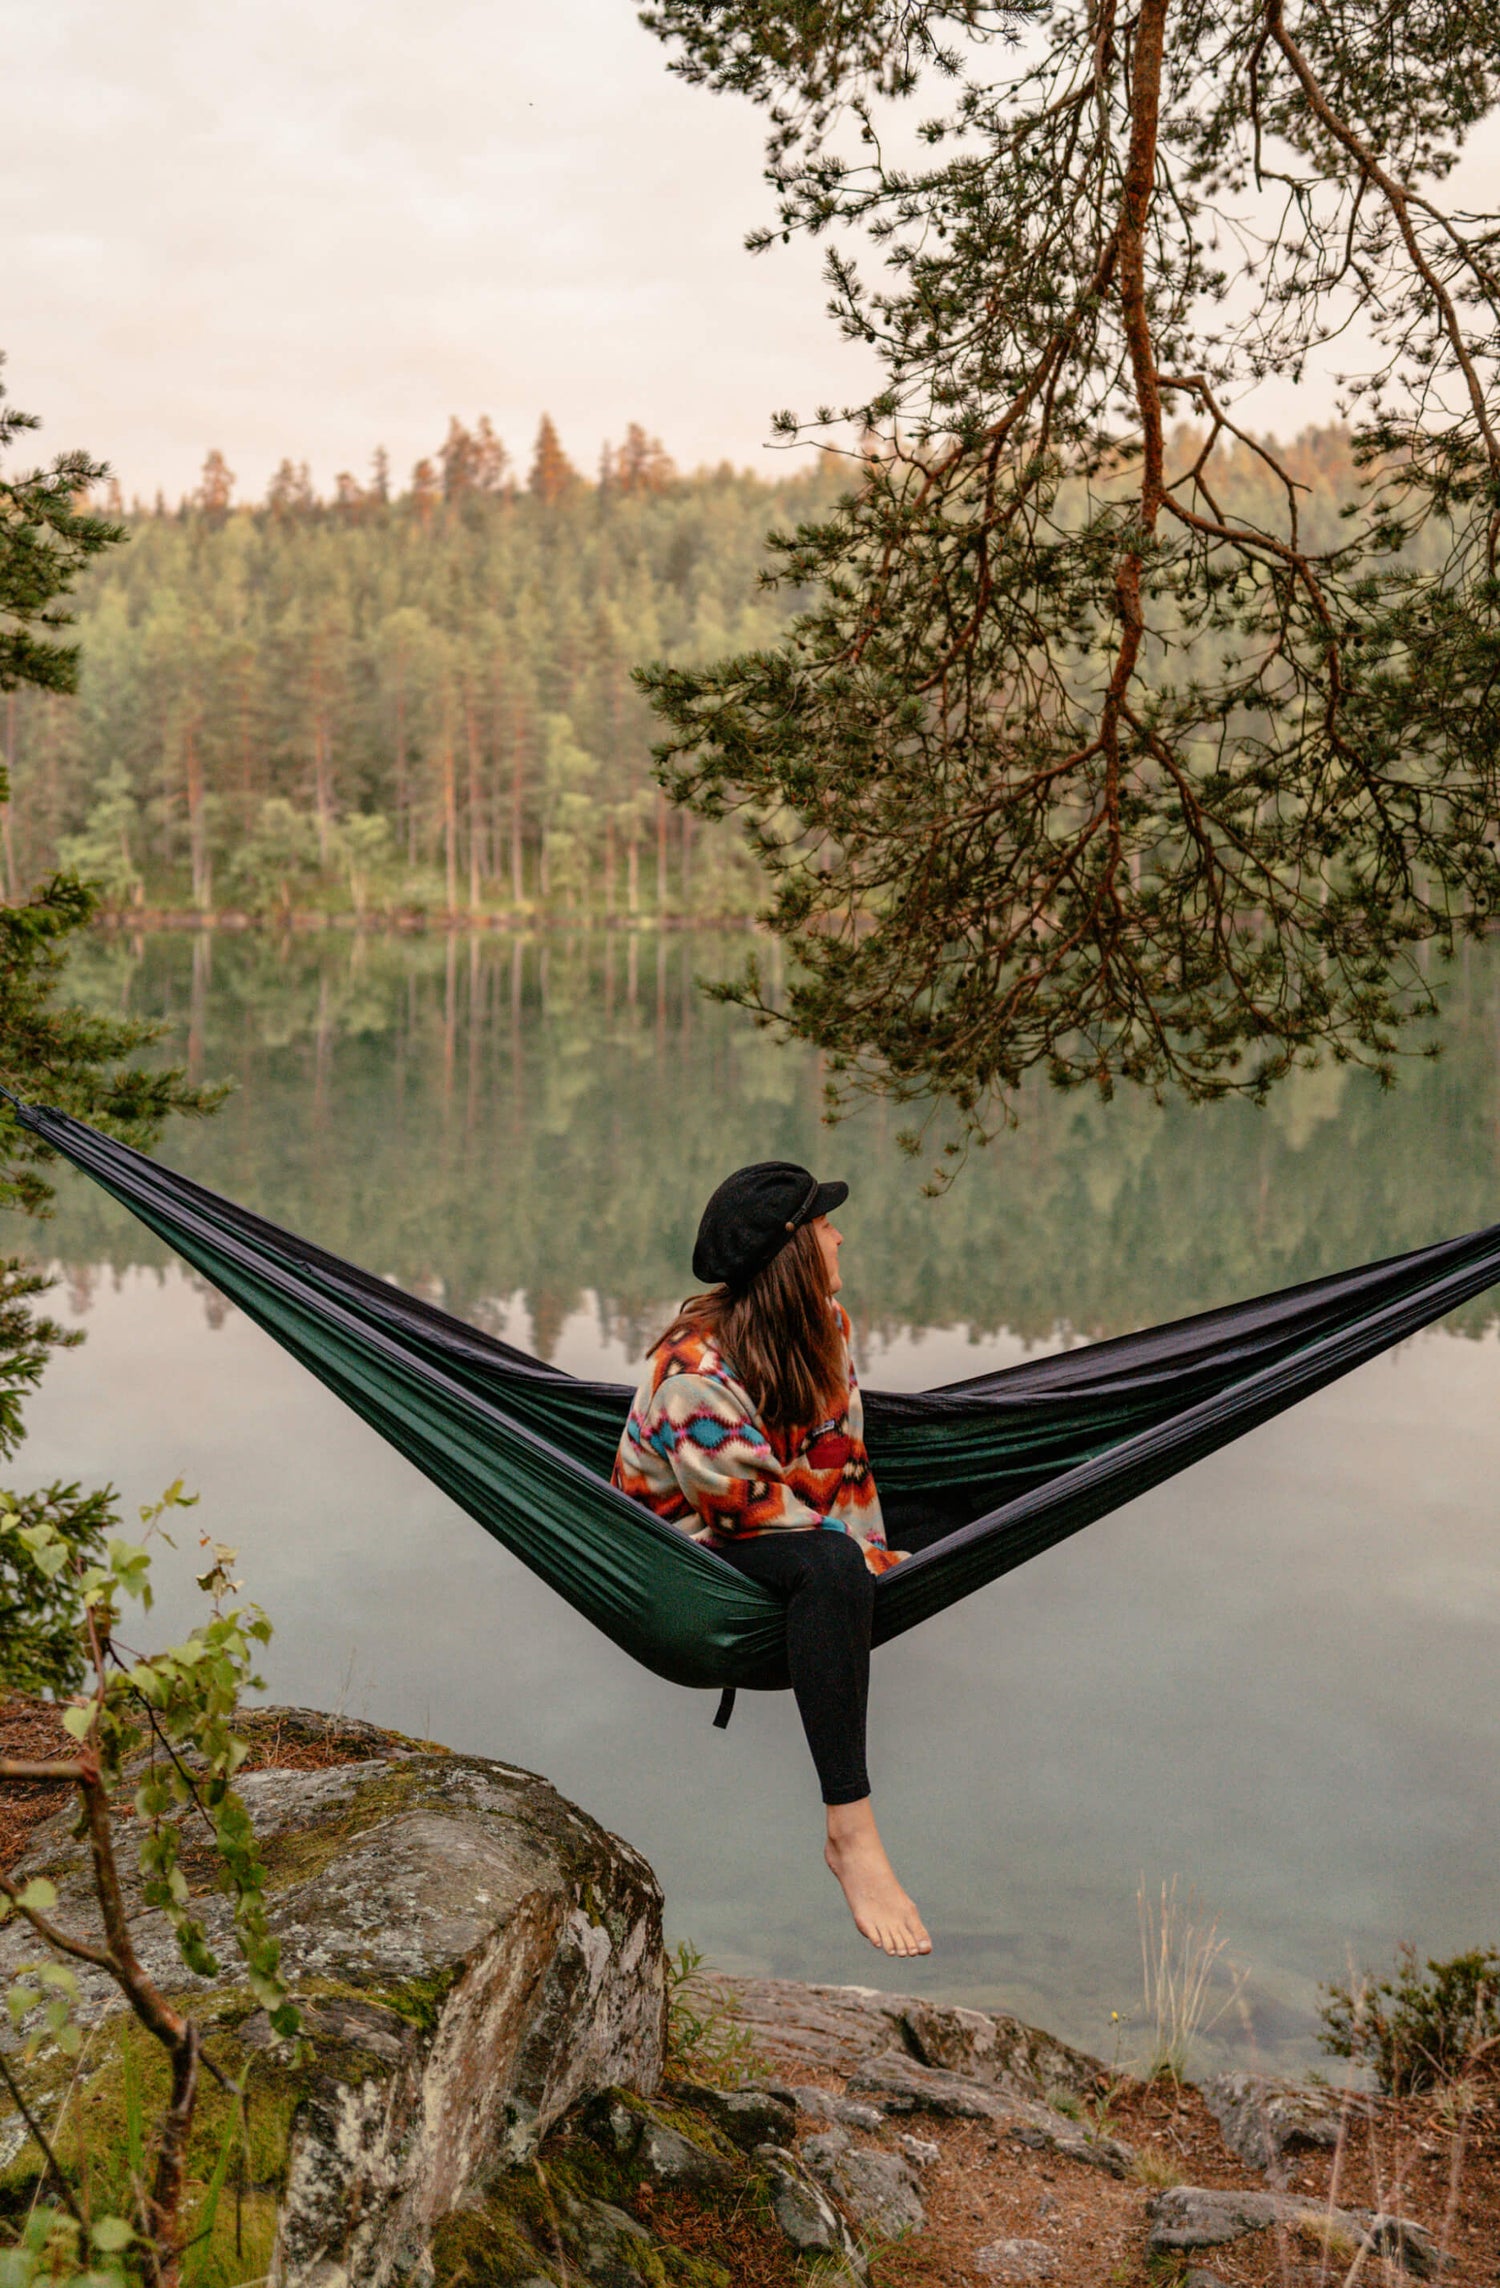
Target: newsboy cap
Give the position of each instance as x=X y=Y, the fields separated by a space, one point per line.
x=753 y=1214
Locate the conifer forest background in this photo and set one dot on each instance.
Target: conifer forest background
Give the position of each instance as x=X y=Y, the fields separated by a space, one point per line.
x=395 y=704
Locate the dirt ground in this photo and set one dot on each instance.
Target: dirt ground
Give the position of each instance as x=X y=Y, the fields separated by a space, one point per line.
x=1431 y=2160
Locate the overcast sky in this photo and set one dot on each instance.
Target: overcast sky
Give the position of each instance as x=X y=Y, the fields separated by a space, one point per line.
x=309 y=227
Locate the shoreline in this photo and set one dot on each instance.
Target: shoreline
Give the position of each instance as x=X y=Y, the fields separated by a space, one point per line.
x=410 y=923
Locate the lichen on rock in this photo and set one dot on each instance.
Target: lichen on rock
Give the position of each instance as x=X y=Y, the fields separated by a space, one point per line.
x=474 y=1954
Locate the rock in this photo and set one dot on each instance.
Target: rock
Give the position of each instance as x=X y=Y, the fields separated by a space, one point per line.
x=1046 y=2132
x=1003 y=2052
x=1261 y=2119
x=664 y=2153
x=824 y=2105
x=600 y=2243
x=805 y=2213
x=900 y=2085
x=479 y=1957
x=1015 y=2260
x=841 y=2028
x=920 y=2151
x=832 y=2027
x=749 y=2117
x=615 y=2125
x=1401 y=2242
x=877 y=2188
x=1189 y=2217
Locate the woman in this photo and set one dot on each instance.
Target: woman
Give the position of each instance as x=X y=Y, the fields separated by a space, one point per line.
x=747 y=1430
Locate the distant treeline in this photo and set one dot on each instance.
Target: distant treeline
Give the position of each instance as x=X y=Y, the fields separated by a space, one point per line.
x=419 y=702
x=416 y=701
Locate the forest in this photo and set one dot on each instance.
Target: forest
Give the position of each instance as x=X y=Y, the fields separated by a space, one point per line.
x=397 y=704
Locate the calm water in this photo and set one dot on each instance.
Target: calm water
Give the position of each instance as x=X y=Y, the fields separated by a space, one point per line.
x=1275 y=1678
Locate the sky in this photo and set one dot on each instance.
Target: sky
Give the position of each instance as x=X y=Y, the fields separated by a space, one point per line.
x=280 y=229
x=290 y=230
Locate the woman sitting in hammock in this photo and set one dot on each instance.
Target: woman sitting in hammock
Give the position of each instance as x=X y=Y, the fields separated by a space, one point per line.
x=747 y=1429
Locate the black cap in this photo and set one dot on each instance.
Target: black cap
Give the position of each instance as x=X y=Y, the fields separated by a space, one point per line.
x=753 y=1214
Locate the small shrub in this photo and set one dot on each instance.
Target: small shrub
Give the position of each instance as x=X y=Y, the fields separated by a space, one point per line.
x=1424 y=2026
x=1157 y=2170
x=705 y=2044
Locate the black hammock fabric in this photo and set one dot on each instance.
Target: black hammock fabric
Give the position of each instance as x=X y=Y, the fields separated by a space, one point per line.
x=978 y=1476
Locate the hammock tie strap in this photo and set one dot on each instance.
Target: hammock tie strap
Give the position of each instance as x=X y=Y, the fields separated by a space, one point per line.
x=726 y=1709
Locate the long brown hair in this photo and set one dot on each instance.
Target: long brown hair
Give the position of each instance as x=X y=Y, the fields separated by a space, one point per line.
x=780 y=1333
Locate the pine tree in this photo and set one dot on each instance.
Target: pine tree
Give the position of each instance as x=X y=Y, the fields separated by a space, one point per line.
x=458 y=459
x=424 y=492
x=290 y=492
x=215 y=487
x=642 y=465
x=49 y=1049
x=1069 y=763
x=491 y=461
x=553 y=476
x=348 y=497
x=47 y=535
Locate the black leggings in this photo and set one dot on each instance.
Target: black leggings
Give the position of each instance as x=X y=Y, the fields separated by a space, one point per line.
x=830 y=1600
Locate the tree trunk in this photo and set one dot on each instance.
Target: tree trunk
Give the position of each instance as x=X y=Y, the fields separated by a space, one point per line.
x=517 y=843
x=7 y=837
x=171 y=2162
x=661 y=854
x=406 y=817
x=476 y=804
x=247 y=749
x=198 y=858
x=322 y=764
x=450 y=820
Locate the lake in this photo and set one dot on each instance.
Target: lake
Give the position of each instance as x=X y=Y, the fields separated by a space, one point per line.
x=1274 y=1679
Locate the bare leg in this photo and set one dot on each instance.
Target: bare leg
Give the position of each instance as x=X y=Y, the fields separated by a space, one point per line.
x=881 y=1909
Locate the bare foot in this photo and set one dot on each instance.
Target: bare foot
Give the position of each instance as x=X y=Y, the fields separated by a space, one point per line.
x=881 y=1909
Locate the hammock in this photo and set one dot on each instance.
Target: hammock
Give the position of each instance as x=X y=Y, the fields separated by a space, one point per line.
x=976 y=1477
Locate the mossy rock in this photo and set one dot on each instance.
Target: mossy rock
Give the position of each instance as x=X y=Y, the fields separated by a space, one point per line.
x=473 y=1955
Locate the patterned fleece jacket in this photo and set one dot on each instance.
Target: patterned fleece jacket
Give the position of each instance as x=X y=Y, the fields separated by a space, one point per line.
x=695 y=1448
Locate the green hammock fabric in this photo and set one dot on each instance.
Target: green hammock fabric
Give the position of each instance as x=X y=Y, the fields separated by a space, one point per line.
x=977 y=1477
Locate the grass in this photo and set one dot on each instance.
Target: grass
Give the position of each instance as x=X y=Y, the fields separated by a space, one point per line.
x=1156 y=2170
x=705 y=2041
x=1180 y=1952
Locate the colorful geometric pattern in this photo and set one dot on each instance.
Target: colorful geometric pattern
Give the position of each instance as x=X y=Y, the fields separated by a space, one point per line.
x=695 y=1448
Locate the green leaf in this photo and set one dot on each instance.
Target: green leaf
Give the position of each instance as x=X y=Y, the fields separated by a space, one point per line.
x=37 y=1897
x=111 y=2234
x=78 y=1722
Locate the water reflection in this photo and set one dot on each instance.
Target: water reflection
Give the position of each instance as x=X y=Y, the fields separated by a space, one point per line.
x=512 y=1119
x=1275 y=1677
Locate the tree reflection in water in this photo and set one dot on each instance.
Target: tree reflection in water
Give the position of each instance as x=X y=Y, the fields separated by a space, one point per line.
x=497 y=1120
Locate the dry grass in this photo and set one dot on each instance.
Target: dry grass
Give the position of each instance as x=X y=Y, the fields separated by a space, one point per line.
x=1181 y=1949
